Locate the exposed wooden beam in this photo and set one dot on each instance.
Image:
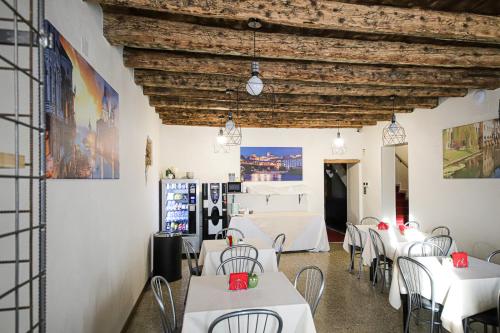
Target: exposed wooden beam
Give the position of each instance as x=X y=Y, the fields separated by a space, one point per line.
x=272 y=124
x=160 y=103
x=143 y=32
x=159 y=95
x=222 y=82
x=313 y=71
x=217 y=115
x=333 y=15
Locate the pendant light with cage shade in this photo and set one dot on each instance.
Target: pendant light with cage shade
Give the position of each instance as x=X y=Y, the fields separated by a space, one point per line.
x=229 y=133
x=254 y=84
x=393 y=133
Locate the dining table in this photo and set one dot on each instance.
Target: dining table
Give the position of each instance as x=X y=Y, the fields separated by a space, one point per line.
x=209 y=297
x=462 y=292
x=211 y=250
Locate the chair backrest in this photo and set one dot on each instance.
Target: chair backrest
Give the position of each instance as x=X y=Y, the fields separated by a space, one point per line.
x=192 y=257
x=310 y=282
x=498 y=308
x=413 y=225
x=223 y=233
x=377 y=243
x=239 y=265
x=253 y=320
x=425 y=249
x=168 y=320
x=354 y=235
x=240 y=250
x=443 y=241
x=441 y=230
x=369 y=220
x=494 y=256
x=278 y=246
x=417 y=281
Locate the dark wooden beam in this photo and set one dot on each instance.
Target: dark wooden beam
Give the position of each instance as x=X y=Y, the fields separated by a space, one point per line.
x=162 y=79
x=161 y=96
x=339 y=16
x=143 y=32
x=160 y=103
x=218 y=115
x=313 y=71
x=164 y=96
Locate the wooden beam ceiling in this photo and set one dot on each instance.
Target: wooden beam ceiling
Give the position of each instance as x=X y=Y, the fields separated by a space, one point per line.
x=315 y=72
x=160 y=96
x=222 y=82
x=333 y=15
x=328 y=63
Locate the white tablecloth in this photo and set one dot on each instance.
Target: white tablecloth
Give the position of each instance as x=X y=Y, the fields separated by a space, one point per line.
x=462 y=291
x=209 y=298
x=211 y=250
x=395 y=243
x=303 y=230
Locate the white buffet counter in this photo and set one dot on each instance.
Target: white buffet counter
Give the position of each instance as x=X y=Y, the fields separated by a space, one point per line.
x=303 y=230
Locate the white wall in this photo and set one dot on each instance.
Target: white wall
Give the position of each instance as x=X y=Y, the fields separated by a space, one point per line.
x=99 y=229
x=191 y=149
x=470 y=207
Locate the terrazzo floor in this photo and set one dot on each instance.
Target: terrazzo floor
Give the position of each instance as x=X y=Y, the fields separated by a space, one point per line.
x=347 y=305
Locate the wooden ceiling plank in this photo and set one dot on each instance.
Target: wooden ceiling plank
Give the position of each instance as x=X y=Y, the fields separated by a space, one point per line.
x=313 y=71
x=339 y=16
x=161 y=79
x=143 y=32
x=265 y=108
x=164 y=97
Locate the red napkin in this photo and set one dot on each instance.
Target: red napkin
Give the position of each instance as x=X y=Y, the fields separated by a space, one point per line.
x=238 y=281
x=230 y=240
x=460 y=259
x=402 y=229
x=382 y=226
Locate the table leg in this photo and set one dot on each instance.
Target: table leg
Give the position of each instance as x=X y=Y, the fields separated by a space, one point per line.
x=404 y=303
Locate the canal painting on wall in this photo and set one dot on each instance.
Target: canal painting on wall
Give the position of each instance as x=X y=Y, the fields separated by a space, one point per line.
x=472 y=151
x=81 y=112
x=271 y=163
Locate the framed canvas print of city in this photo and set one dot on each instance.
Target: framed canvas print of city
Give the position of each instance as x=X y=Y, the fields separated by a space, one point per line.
x=81 y=112
x=472 y=151
x=271 y=163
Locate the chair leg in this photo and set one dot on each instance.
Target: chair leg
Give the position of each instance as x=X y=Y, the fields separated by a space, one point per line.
x=375 y=272
x=360 y=263
x=408 y=318
x=351 y=263
x=383 y=278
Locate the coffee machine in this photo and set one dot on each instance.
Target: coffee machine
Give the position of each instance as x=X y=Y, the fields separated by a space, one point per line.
x=214 y=209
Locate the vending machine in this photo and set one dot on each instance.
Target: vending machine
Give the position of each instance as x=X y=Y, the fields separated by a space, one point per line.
x=180 y=209
x=214 y=212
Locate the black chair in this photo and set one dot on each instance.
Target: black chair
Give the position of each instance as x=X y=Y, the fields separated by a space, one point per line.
x=253 y=320
x=238 y=265
x=223 y=233
x=487 y=318
x=443 y=241
x=412 y=225
x=415 y=277
x=278 y=246
x=192 y=258
x=168 y=320
x=382 y=263
x=441 y=230
x=356 y=246
x=425 y=249
x=493 y=257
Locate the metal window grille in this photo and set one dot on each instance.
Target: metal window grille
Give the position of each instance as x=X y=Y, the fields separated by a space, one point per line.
x=22 y=168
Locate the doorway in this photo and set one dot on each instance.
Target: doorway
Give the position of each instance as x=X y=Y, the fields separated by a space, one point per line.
x=341 y=191
x=395 y=184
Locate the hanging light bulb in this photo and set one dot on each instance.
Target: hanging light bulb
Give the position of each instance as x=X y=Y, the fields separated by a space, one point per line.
x=339 y=141
x=230 y=122
x=221 y=138
x=255 y=84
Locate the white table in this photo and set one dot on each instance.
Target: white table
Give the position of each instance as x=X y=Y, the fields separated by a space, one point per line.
x=209 y=298
x=303 y=230
x=395 y=243
x=211 y=250
x=462 y=291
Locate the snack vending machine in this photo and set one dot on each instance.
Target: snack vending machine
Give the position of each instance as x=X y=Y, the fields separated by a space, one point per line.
x=180 y=209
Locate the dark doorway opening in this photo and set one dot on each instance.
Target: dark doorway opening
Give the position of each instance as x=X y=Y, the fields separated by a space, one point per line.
x=335 y=182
